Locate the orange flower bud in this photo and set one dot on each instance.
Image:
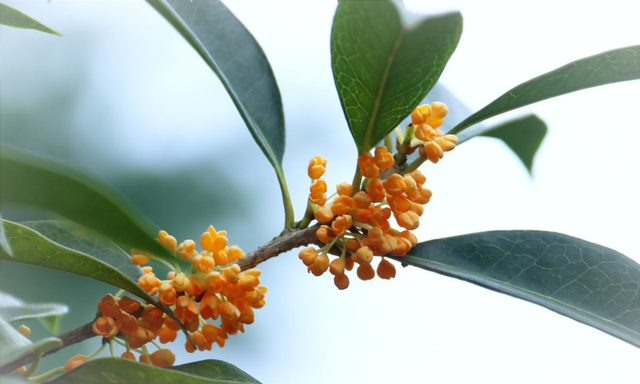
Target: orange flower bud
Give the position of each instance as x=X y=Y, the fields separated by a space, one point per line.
x=145 y=359
x=363 y=256
x=344 y=189
x=75 y=362
x=180 y=283
x=420 y=114
x=439 y=110
x=348 y=263
x=128 y=304
x=166 y=294
x=375 y=190
x=365 y=272
x=126 y=323
x=324 y=235
x=423 y=197
x=139 y=257
x=221 y=257
x=318 y=187
x=431 y=151
x=409 y=236
x=128 y=355
x=24 y=330
x=320 y=265
x=425 y=132
x=105 y=327
x=399 y=203
x=336 y=267
x=409 y=220
x=163 y=358
x=186 y=249
x=416 y=208
x=394 y=185
x=108 y=306
x=228 y=311
x=214 y=281
x=388 y=244
x=234 y=253
x=352 y=244
x=323 y=214
x=152 y=318
x=419 y=178
x=386 y=270
x=168 y=241
x=367 y=166
x=149 y=283
x=317 y=167
x=231 y=273
x=212 y=240
x=203 y=264
x=361 y=200
x=148 y=271
x=341 y=225
x=447 y=143
x=383 y=159
x=342 y=205
x=363 y=215
x=308 y=255
x=341 y=281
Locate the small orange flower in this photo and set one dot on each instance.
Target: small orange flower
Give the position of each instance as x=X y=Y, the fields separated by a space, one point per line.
x=383 y=159
x=341 y=225
x=75 y=362
x=105 y=327
x=420 y=114
x=368 y=167
x=317 y=167
x=163 y=358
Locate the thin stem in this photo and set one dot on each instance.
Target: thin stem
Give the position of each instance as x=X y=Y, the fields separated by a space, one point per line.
x=357 y=179
x=33 y=368
x=388 y=142
x=401 y=156
x=289 y=216
x=175 y=269
x=414 y=165
x=47 y=375
x=156 y=344
x=112 y=348
x=94 y=354
x=308 y=216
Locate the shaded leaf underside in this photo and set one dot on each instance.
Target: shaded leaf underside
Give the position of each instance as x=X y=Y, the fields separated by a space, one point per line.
x=587 y=282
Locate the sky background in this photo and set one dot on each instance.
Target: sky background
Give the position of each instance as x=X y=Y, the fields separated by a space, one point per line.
x=123 y=97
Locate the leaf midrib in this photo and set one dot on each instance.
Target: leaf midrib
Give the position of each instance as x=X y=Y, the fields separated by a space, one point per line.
x=516 y=287
x=381 y=90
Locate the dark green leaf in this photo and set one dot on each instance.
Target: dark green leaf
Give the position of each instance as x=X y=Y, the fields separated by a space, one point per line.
x=587 y=282
x=216 y=369
x=14 y=309
x=236 y=57
x=31 y=181
x=383 y=69
x=4 y=244
x=523 y=136
x=614 y=66
x=14 y=18
x=123 y=371
x=30 y=247
x=79 y=239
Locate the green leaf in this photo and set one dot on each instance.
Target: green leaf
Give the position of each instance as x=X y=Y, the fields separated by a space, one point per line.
x=79 y=239
x=14 y=18
x=236 y=57
x=4 y=244
x=32 y=181
x=587 y=282
x=14 y=309
x=13 y=345
x=382 y=68
x=116 y=371
x=523 y=136
x=30 y=247
x=613 y=66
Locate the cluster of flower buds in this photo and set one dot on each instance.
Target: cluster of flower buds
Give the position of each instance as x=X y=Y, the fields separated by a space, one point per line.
x=216 y=290
x=355 y=224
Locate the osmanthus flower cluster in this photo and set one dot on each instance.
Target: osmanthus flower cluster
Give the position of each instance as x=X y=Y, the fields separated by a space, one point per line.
x=216 y=290
x=356 y=220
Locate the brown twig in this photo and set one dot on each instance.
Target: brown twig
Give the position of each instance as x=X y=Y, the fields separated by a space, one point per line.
x=285 y=241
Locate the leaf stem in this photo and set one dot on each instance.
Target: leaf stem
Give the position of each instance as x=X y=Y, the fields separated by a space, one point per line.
x=357 y=179
x=47 y=375
x=388 y=142
x=289 y=216
x=308 y=216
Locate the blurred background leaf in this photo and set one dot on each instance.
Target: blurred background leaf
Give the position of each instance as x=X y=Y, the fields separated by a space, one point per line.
x=14 y=18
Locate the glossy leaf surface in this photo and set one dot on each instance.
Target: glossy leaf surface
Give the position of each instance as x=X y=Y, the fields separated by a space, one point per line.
x=382 y=68
x=587 y=282
x=123 y=371
x=613 y=66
